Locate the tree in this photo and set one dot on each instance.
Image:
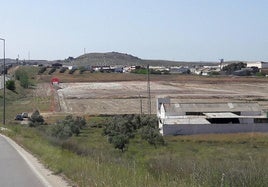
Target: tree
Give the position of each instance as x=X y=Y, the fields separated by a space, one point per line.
x=230 y=68
x=120 y=129
x=119 y=141
x=42 y=70
x=10 y=84
x=152 y=136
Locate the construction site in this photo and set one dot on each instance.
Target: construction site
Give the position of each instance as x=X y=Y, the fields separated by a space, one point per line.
x=132 y=97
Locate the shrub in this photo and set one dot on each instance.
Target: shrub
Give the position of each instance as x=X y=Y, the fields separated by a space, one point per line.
x=24 y=81
x=52 y=70
x=260 y=74
x=61 y=131
x=214 y=73
x=42 y=70
x=63 y=69
x=152 y=136
x=140 y=71
x=36 y=119
x=67 y=127
x=23 y=77
x=10 y=84
x=82 y=69
x=72 y=71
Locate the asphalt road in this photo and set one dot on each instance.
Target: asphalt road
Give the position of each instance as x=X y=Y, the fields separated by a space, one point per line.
x=14 y=171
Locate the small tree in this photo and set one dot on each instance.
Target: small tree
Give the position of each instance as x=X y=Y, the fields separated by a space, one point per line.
x=119 y=141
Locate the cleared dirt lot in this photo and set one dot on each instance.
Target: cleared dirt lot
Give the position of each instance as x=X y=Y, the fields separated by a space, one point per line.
x=128 y=97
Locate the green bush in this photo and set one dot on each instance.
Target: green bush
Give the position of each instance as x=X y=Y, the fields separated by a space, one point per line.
x=23 y=77
x=61 y=131
x=72 y=71
x=260 y=74
x=24 y=81
x=82 y=69
x=152 y=136
x=42 y=70
x=68 y=127
x=140 y=71
x=52 y=70
x=10 y=84
x=63 y=69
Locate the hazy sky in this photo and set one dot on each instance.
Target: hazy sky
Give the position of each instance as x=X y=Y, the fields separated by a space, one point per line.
x=191 y=30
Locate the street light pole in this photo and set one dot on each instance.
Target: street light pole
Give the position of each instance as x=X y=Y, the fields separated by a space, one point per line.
x=4 y=88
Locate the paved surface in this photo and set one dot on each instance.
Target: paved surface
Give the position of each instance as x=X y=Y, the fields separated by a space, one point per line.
x=20 y=168
x=14 y=170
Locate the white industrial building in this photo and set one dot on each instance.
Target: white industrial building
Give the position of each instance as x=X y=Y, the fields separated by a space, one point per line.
x=258 y=64
x=196 y=118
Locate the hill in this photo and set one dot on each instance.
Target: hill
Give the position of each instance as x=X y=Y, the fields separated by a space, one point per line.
x=110 y=58
x=115 y=58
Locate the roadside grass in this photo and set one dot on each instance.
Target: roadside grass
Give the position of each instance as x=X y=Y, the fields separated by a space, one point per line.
x=200 y=160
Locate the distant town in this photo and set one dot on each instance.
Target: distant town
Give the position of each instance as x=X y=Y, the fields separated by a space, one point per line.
x=123 y=63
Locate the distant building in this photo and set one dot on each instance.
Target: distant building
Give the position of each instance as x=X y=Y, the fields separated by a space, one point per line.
x=258 y=64
x=179 y=70
x=203 y=118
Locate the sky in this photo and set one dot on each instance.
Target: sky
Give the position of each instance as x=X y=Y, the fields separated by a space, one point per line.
x=181 y=30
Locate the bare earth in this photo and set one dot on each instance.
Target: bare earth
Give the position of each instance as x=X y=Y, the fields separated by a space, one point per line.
x=131 y=97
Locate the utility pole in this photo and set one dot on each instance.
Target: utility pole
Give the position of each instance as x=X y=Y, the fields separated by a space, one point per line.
x=140 y=104
x=149 y=90
x=4 y=82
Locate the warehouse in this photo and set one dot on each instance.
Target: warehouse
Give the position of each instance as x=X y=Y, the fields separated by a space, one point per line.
x=198 y=118
x=258 y=64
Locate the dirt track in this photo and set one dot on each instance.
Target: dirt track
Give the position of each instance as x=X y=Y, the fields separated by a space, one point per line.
x=127 y=97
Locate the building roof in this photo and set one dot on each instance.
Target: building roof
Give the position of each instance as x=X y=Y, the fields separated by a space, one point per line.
x=192 y=120
x=179 y=109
